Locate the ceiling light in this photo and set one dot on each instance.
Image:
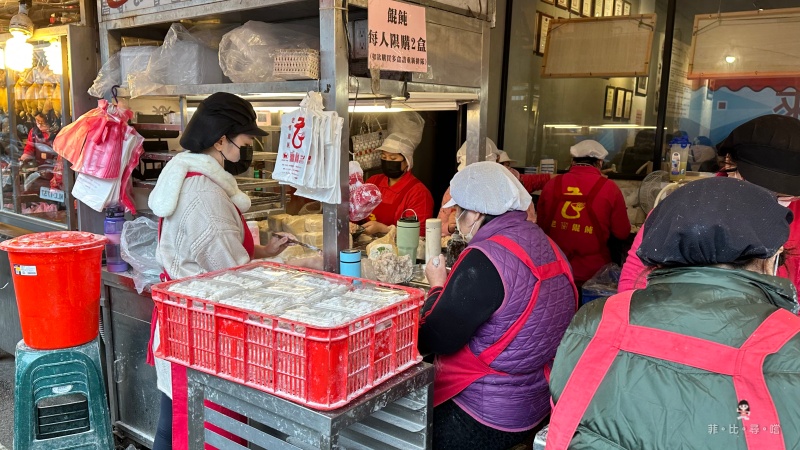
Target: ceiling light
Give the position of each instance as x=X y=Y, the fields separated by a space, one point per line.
x=20 y=24
x=19 y=54
x=730 y=59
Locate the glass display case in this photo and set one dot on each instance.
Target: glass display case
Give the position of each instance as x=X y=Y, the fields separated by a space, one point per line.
x=33 y=114
x=36 y=102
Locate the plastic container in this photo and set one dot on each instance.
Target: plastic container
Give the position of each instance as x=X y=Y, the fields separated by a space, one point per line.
x=350 y=263
x=679 y=156
x=323 y=368
x=112 y=227
x=57 y=283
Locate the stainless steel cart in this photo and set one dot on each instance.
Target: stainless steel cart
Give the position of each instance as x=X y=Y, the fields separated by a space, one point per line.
x=396 y=414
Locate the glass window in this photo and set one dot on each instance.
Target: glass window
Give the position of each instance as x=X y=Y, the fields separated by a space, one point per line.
x=544 y=117
x=32 y=114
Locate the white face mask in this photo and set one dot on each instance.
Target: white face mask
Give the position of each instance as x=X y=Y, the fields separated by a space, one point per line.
x=467 y=236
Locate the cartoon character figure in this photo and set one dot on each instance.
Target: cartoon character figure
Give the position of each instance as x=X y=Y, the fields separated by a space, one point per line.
x=744 y=410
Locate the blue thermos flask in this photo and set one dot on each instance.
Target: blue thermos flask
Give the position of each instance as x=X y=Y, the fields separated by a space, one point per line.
x=350 y=263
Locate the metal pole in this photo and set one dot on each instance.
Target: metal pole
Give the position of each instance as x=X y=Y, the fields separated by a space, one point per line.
x=501 y=123
x=334 y=73
x=666 y=63
x=478 y=112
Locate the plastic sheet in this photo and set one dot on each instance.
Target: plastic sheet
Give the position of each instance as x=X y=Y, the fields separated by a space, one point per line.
x=183 y=59
x=602 y=284
x=364 y=197
x=246 y=54
x=108 y=76
x=138 y=245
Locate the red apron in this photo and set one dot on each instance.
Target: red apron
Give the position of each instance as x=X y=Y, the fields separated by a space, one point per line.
x=456 y=372
x=561 y=202
x=180 y=406
x=615 y=334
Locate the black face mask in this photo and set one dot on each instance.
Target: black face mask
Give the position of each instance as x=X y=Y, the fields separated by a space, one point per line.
x=392 y=169
x=241 y=166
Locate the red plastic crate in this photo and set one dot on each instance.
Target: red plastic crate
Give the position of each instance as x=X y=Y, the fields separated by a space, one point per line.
x=323 y=368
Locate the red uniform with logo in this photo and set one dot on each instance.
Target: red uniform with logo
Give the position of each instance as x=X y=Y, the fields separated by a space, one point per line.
x=580 y=210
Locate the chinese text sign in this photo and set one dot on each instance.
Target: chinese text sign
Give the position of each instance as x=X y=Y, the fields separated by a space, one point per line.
x=397 y=36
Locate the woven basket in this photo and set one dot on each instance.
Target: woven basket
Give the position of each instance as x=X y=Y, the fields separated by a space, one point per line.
x=296 y=64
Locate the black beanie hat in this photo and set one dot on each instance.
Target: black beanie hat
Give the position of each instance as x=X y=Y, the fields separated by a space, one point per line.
x=220 y=114
x=766 y=151
x=716 y=220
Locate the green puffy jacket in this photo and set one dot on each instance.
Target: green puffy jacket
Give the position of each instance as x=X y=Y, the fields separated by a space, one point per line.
x=647 y=403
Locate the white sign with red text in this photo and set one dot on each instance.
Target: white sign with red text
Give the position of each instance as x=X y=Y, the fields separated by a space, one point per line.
x=397 y=36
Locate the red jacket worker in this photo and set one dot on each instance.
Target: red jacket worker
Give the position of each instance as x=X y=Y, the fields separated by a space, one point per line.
x=581 y=209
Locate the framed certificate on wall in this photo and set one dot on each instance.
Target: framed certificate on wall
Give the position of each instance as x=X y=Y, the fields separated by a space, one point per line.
x=598 y=8
x=542 y=27
x=628 y=105
x=608 y=8
x=626 y=8
x=608 y=106
x=617 y=7
x=587 y=8
x=619 y=103
x=575 y=6
x=563 y=4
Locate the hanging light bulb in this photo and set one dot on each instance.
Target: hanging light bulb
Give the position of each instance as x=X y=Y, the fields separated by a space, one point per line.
x=20 y=24
x=19 y=54
x=53 y=55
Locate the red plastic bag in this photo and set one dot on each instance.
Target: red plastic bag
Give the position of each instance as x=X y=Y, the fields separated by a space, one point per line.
x=364 y=197
x=69 y=143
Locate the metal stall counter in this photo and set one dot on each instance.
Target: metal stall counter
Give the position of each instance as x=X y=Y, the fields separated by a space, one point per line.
x=132 y=392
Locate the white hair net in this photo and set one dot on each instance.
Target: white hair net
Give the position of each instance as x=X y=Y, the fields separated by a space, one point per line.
x=488 y=188
x=588 y=149
x=491 y=153
x=405 y=134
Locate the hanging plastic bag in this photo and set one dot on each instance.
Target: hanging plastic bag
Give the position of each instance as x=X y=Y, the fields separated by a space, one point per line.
x=364 y=197
x=100 y=193
x=138 y=245
x=103 y=146
x=69 y=143
x=296 y=142
x=108 y=76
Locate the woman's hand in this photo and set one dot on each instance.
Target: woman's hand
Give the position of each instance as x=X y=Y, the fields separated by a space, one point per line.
x=435 y=271
x=274 y=247
x=374 y=227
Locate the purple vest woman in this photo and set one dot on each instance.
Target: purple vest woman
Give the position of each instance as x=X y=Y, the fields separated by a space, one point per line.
x=495 y=323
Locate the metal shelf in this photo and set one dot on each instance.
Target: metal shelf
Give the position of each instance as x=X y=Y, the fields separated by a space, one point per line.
x=246 y=183
x=251 y=91
x=265 y=156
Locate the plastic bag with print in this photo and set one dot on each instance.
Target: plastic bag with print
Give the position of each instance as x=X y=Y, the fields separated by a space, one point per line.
x=364 y=197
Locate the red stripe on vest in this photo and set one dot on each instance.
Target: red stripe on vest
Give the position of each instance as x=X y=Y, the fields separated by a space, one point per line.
x=744 y=364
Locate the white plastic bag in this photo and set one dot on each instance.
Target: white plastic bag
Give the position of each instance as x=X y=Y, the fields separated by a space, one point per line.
x=183 y=59
x=138 y=243
x=309 y=151
x=108 y=76
x=246 y=54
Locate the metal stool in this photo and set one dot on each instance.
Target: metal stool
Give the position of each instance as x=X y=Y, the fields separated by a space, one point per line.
x=60 y=400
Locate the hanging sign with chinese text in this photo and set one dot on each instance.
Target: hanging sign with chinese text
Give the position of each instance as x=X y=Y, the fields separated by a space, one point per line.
x=397 y=36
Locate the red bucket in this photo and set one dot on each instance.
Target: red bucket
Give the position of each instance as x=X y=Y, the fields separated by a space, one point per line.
x=57 y=282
